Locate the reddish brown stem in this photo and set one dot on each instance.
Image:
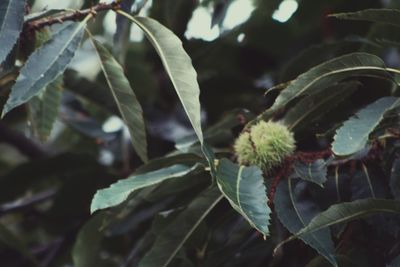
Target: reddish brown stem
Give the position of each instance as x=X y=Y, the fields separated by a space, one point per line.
x=72 y=16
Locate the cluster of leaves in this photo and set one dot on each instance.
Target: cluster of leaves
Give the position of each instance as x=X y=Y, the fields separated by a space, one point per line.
x=193 y=205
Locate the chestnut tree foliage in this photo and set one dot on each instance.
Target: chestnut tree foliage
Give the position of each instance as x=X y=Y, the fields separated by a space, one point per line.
x=276 y=144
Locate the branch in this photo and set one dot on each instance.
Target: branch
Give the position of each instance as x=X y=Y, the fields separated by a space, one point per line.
x=22 y=143
x=72 y=15
x=26 y=203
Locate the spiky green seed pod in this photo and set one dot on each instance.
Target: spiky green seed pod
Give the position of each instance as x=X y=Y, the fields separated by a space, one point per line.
x=265 y=145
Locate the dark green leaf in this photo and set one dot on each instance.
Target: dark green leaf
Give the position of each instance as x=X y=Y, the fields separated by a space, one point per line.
x=178 y=66
x=330 y=72
x=119 y=191
x=347 y=211
x=87 y=245
x=352 y=137
x=395 y=262
x=295 y=213
x=11 y=20
x=9 y=239
x=314 y=172
x=45 y=65
x=395 y=179
x=44 y=109
x=171 y=240
x=245 y=189
x=316 y=105
x=125 y=98
x=387 y=16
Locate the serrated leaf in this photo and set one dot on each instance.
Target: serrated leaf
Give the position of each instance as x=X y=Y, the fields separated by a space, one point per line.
x=45 y=65
x=11 y=21
x=125 y=98
x=245 y=189
x=118 y=192
x=315 y=172
x=386 y=16
x=352 y=137
x=171 y=240
x=295 y=213
x=177 y=64
x=44 y=108
x=316 y=105
x=330 y=72
x=347 y=211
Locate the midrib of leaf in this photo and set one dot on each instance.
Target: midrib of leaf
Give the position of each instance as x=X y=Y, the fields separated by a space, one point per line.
x=152 y=39
x=365 y=170
x=123 y=108
x=238 y=179
x=238 y=206
x=332 y=73
x=293 y=203
x=192 y=229
x=309 y=171
x=301 y=218
x=337 y=183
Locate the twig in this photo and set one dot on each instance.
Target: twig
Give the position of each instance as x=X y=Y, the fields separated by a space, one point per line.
x=25 y=203
x=22 y=143
x=72 y=16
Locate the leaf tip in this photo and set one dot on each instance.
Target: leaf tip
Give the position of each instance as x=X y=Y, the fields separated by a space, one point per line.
x=93 y=208
x=5 y=110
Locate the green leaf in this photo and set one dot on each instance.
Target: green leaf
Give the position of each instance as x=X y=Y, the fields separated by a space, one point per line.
x=85 y=251
x=125 y=98
x=245 y=189
x=44 y=107
x=120 y=191
x=319 y=53
x=347 y=211
x=12 y=241
x=330 y=72
x=352 y=137
x=45 y=65
x=122 y=32
x=312 y=107
x=171 y=240
x=386 y=16
x=295 y=213
x=395 y=262
x=177 y=64
x=395 y=179
x=11 y=21
x=313 y=172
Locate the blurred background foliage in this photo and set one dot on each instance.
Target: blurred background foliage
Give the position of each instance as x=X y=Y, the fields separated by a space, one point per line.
x=239 y=48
